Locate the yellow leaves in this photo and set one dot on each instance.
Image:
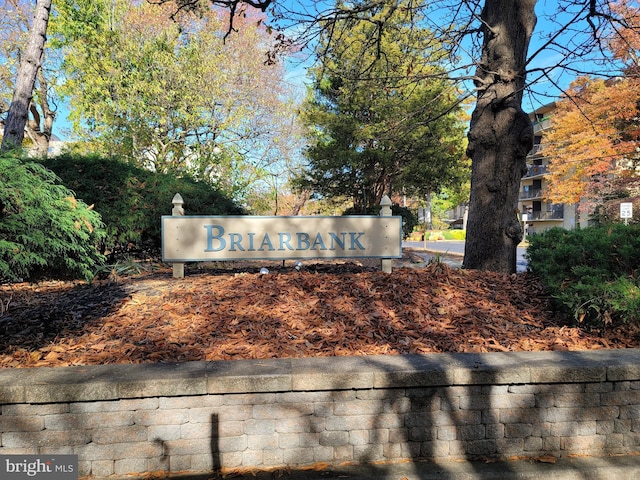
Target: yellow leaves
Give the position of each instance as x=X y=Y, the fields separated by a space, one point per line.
x=83 y=221
x=591 y=128
x=34 y=356
x=88 y=225
x=53 y=348
x=73 y=203
x=625 y=41
x=52 y=357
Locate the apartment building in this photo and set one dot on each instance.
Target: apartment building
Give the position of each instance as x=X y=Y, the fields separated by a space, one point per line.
x=537 y=212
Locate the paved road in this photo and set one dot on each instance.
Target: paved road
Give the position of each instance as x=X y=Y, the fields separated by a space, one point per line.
x=455 y=248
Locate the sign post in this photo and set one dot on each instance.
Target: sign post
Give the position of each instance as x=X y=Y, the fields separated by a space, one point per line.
x=385 y=211
x=626 y=211
x=178 y=267
x=525 y=219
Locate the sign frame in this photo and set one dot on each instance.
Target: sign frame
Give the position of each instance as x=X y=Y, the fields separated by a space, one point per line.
x=206 y=238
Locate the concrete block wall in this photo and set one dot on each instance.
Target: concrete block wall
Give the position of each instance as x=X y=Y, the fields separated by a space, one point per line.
x=225 y=416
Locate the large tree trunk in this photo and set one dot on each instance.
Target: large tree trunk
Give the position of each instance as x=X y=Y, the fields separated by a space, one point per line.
x=29 y=65
x=500 y=137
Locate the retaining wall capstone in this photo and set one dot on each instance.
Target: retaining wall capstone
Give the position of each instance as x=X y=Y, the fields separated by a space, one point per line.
x=296 y=413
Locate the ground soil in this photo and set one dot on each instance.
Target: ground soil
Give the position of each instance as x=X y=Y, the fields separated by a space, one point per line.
x=231 y=311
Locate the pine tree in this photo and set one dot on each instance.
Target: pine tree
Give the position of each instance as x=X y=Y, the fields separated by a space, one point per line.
x=382 y=125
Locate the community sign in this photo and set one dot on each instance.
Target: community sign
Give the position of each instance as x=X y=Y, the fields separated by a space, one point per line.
x=196 y=238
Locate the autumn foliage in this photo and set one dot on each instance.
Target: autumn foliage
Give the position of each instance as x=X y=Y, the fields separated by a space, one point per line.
x=594 y=129
x=592 y=145
x=624 y=41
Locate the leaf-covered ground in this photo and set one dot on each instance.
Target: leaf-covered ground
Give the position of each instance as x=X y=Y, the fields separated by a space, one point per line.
x=322 y=310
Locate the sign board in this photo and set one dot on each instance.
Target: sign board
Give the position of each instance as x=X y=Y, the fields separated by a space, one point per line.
x=196 y=238
x=626 y=210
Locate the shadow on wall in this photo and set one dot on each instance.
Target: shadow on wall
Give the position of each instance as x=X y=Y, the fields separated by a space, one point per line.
x=216 y=462
x=476 y=411
x=487 y=420
x=481 y=424
x=433 y=422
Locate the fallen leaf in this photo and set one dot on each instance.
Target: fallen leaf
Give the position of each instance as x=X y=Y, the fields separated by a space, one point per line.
x=327 y=309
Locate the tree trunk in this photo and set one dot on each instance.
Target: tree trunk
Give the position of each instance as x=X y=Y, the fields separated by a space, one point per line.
x=500 y=137
x=29 y=65
x=301 y=199
x=39 y=127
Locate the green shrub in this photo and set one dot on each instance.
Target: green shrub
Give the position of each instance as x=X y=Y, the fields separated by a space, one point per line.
x=409 y=219
x=447 y=235
x=454 y=234
x=44 y=230
x=592 y=273
x=132 y=200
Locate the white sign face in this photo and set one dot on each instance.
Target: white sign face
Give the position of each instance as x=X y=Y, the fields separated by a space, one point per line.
x=206 y=238
x=626 y=210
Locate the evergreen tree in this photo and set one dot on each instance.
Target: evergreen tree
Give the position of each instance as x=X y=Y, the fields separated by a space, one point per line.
x=382 y=124
x=44 y=229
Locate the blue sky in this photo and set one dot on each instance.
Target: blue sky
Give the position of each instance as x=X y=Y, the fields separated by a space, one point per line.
x=545 y=90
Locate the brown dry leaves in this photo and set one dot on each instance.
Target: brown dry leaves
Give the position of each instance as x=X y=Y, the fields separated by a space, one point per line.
x=347 y=311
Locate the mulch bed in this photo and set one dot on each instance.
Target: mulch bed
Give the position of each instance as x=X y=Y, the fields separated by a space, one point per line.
x=322 y=310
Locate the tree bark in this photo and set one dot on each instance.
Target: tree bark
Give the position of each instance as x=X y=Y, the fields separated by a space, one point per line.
x=39 y=127
x=500 y=136
x=301 y=199
x=30 y=63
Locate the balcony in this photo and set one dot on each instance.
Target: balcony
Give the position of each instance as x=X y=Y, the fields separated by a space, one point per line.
x=530 y=194
x=534 y=150
x=556 y=214
x=535 y=170
x=541 y=125
x=537 y=150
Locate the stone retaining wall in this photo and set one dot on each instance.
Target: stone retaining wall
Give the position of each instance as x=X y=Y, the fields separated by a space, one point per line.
x=261 y=414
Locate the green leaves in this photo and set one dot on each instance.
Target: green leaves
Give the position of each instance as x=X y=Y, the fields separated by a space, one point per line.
x=168 y=92
x=382 y=118
x=44 y=229
x=131 y=199
x=591 y=273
